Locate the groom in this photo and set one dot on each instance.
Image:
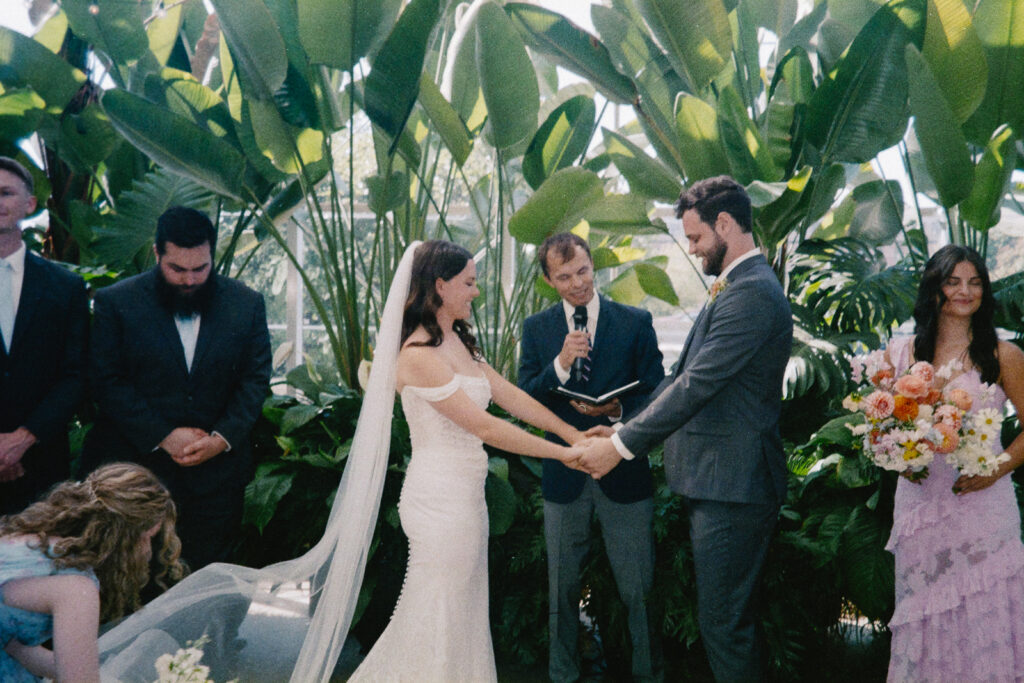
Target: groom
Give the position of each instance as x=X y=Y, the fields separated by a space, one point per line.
x=718 y=417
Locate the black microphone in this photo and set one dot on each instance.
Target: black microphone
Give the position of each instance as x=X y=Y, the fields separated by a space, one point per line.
x=579 y=322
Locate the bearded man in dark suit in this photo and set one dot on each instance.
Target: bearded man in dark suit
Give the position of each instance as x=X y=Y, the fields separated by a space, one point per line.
x=718 y=416
x=617 y=346
x=180 y=366
x=44 y=322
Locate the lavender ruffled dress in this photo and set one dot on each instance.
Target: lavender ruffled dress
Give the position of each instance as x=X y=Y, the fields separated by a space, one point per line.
x=959 y=569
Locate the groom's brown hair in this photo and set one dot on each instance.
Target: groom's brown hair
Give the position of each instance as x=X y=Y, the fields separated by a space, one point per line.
x=711 y=196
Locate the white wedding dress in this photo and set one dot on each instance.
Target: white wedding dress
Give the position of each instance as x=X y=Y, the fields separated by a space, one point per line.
x=440 y=630
x=290 y=621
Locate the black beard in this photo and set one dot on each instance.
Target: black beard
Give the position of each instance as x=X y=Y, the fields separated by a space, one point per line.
x=714 y=258
x=177 y=302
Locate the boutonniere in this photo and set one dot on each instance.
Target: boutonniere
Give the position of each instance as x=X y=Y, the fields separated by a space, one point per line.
x=717 y=287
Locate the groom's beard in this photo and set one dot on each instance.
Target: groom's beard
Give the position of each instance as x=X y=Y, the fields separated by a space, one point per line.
x=715 y=256
x=181 y=301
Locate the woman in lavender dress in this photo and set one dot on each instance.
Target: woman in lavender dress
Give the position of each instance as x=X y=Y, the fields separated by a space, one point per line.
x=959 y=558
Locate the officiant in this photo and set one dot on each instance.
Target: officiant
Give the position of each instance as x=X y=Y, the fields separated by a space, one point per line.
x=591 y=345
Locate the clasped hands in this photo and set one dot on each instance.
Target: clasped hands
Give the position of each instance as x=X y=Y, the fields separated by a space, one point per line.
x=594 y=453
x=190 y=446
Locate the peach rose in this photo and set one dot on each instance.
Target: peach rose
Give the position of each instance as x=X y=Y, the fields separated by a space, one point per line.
x=912 y=386
x=878 y=405
x=950 y=439
x=882 y=377
x=948 y=414
x=960 y=397
x=933 y=397
x=904 y=409
x=924 y=370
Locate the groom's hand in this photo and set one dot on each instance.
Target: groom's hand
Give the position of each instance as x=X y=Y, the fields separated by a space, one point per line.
x=599 y=430
x=599 y=457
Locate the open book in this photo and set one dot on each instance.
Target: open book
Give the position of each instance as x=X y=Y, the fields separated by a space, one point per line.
x=597 y=400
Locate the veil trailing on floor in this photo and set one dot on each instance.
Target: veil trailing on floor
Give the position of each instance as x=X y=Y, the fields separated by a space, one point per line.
x=291 y=618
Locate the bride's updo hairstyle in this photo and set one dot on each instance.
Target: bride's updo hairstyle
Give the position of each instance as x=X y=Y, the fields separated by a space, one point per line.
x=435 y=259
x=99 y=524
x=928 y=308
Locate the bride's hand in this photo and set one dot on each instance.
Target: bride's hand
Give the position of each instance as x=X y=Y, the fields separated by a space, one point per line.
x=575 y=436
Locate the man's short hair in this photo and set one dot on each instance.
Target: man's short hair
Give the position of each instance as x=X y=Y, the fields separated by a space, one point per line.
x=184 y=227
x=11 y=166
x=564 y=244
x=711 y=196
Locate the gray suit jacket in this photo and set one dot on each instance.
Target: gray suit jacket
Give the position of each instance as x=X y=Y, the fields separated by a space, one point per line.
x=718 y=415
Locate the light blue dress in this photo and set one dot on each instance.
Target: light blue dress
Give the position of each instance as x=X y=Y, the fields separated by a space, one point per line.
x=19 y=561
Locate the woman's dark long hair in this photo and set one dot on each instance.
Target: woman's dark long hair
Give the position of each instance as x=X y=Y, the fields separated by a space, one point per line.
x=930 y=299
x=435 y=259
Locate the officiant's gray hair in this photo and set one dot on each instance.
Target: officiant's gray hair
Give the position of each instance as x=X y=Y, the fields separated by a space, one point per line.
x=564 y=244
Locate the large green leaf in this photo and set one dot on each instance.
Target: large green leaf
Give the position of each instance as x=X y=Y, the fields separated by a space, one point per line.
x=26 y=63
x=560 y=140
x=646 y=176
x=635 y=53
x=742 y=139
x=256 y=45
x=288 y=147
x=1000 y=27
x=272 y=482
x=84 y=139
x=623 y=215
x=176 y=143
x=791 y=90
x=866 y=566
x=501 y=504
x=640 y=281
x=394 y=81
x=507 y=78
x=572 y=48
x=699 y=139
x=877 y=213
x=942 y=141
x=557 y=205
x=446 y=120
x=1009 y=294
x=991 y=177
x=20 y=113
x=848 y=287
x=695 y=34
x=125 y=240
x=460 y=83
x=110 y=26
x=955 y=56
x=162 y=32
x=339 y=33
x=861 y=108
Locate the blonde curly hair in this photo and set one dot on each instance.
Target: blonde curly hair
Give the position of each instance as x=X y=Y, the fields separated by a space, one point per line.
x=99 y=524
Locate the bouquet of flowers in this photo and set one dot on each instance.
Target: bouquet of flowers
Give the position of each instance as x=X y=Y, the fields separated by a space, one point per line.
x=908 y=420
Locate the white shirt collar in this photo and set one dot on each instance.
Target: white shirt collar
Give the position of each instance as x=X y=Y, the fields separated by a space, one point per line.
x=739 y=259
x=593 y=310
x=17 y=260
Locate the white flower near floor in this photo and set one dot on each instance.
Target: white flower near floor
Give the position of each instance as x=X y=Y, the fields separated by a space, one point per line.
x=183 y=666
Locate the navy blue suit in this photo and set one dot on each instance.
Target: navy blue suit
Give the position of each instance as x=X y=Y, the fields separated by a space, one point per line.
x=42 y=379
x=625 y=349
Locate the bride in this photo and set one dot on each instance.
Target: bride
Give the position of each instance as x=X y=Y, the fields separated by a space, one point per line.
x=439 y=630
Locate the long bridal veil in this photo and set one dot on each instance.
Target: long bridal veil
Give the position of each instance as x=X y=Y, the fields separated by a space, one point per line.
x=292 y=618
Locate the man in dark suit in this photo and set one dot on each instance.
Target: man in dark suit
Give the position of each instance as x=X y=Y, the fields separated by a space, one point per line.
x=618 y=346
x=180 y=366
x=718 y=417
x=44 y=322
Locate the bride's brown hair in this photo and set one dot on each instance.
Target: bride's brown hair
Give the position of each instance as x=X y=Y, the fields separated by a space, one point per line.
x=435 y=259
x=99 y=524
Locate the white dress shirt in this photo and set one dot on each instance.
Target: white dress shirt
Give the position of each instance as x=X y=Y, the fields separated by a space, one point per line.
x=593 y=310
x=17 y=277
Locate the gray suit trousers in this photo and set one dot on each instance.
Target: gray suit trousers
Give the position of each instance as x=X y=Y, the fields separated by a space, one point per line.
x=730 y=543
x=629 y=542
